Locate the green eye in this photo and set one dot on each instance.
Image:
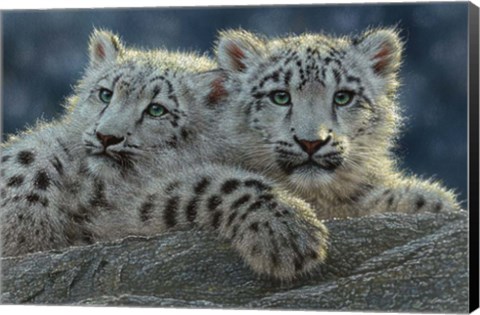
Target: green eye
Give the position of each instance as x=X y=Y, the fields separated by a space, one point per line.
x=343 y=98
x=156 y=110
x=280 y=98
x=105 y=95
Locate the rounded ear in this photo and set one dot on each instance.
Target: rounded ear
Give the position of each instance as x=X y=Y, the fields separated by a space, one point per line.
x=236 y=50
x=104 y=47
x=383 y=47
x=208 y=87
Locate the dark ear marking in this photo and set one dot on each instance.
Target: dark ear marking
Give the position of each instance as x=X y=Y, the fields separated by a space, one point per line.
x=237 y=49
x=237 y=56
x=99 y=51
x=383 y=59
x=383 y=47
x=104 y=46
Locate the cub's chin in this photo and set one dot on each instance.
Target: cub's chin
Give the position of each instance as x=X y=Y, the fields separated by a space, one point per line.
x=306 y=177
x=102 y=165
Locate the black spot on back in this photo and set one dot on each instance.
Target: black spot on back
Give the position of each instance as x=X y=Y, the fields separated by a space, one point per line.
x=33 y=198
x=44 y=201
x=15 y=181
x=170 y=213
x=231 y=217
x=420 y=202
x=234 y=232
x=171 y=187
x=57 y=164
x=41 y=180
x=213 y=202
x=146 y=210
x=216 y=219
x=230 y=186
x=266 y=197
x=240 y=201
x=191 y=210
x=25 y=157
x=244 y=216
x=255 y=206
x=256 y=184
x=254 y=226
x=201 y=186
x=5 y=158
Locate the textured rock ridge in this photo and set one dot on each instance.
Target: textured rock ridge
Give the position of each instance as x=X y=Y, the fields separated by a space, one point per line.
x=387 y=262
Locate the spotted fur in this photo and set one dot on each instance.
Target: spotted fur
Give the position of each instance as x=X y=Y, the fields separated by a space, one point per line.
x=109 y=169
x=339 y=158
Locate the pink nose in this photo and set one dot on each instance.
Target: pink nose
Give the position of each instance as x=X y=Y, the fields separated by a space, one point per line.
x=311 y=146
x=108 y=140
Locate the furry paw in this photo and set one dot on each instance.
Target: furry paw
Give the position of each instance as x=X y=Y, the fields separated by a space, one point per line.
x=413 y=197
x=283 y=241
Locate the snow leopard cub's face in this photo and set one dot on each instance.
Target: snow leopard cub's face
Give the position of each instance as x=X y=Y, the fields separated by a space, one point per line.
x=134 y=106
x=319 y=106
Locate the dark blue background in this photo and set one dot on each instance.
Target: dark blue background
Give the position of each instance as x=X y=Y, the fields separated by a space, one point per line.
x=46 y=51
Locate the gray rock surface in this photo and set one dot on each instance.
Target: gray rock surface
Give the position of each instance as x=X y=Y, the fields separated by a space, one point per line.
x=387 y=262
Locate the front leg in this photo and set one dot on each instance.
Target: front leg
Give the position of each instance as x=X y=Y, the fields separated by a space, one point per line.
x=410 y=195
x=276 y=234
x=36 y=205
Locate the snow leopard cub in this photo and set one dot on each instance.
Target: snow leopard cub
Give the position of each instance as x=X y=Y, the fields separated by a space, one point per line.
x=128 y=158
x=319 y=114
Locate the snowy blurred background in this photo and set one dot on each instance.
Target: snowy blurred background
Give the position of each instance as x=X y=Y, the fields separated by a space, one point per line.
x=44 y=53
